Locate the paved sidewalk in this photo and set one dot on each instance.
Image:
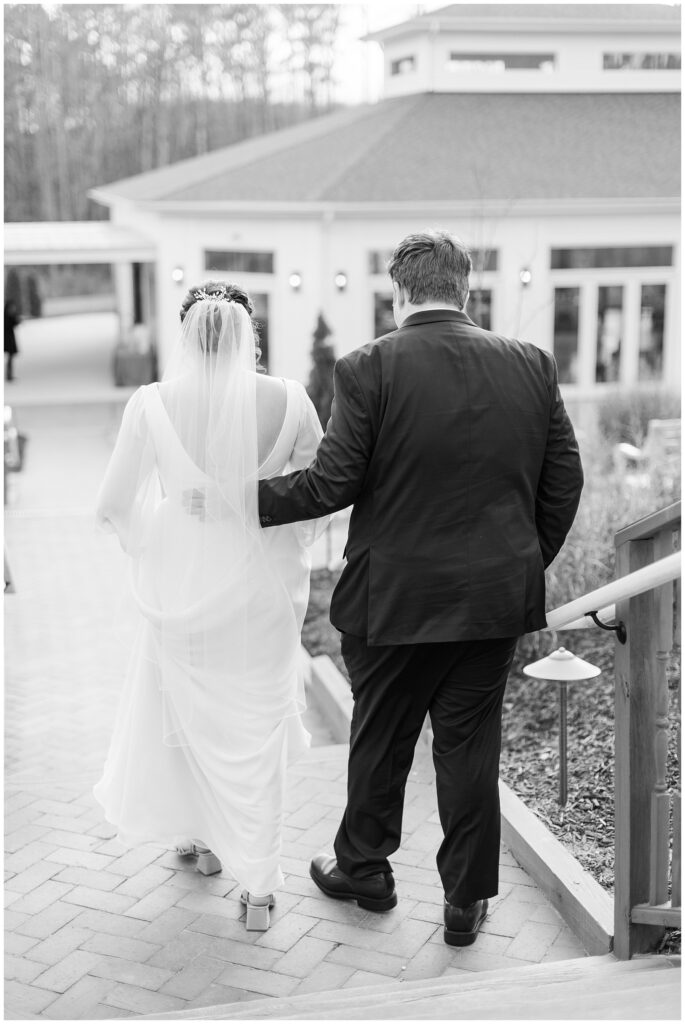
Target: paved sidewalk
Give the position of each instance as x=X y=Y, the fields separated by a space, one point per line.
x=63 y=357
x=94 y=930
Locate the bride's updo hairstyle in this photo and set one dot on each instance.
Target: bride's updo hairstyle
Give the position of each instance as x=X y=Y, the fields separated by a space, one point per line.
x=219 y=291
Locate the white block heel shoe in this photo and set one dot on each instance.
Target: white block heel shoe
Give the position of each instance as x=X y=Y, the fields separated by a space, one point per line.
x=207 y=862
x=257 y=918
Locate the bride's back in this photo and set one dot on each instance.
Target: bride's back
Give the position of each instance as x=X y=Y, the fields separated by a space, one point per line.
x=271 y=404
x=272 y=400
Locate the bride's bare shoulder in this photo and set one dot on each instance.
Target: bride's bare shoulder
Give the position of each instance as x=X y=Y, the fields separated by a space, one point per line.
x=270 y=385
x=272 y=396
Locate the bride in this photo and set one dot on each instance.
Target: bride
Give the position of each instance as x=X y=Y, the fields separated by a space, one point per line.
x=210 y=714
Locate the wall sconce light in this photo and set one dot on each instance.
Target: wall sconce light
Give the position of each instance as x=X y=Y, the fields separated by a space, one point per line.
x=525 y=276
x=295 y=281
x=177 y=275
x=340 y=281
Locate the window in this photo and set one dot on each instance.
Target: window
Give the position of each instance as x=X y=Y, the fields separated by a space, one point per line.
x=609 y=332
x=641 y=61
x=383 y=320
x=378 y=261
x=479 y=307
x=260 y=301
x=619 y=256
x=240 y=262
x=566 y=322
x=652 y=306
x=403 y=66
x=482 y=260
x=496 y=63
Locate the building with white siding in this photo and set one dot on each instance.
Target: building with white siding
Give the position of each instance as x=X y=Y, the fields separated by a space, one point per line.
x=545 y=136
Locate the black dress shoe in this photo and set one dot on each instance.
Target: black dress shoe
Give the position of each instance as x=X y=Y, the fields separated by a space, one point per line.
x=374 y=893
x=462 y=924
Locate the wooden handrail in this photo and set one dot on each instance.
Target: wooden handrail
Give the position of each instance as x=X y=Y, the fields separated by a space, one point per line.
x=645 y=598
x=638 y=582
x=649 y=526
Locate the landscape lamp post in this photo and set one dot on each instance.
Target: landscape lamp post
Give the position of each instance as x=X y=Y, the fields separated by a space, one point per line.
x=562 y=667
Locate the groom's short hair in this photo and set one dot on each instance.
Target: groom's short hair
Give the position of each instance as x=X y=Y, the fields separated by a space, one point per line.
x=432 y=266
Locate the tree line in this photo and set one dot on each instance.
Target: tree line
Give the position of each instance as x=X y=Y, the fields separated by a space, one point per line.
x=97 y=92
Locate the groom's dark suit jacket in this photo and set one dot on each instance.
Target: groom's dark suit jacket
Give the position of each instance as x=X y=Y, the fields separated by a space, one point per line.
x=455 y=449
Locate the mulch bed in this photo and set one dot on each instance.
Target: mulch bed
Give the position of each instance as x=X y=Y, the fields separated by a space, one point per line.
x=530 y=736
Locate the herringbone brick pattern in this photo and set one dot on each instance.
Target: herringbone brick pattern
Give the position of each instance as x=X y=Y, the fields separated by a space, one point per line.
x=97 y=931
x=142 y=932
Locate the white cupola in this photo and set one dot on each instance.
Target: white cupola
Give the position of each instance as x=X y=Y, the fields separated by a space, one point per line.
x=532 y=48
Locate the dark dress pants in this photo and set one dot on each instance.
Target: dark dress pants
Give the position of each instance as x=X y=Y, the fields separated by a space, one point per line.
x=461 y=686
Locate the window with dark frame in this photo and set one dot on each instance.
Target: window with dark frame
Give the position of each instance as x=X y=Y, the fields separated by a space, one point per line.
x=239 y=261
x=609 y=333
x=403 y=66
x=479 y=307
x=566 y=333
x=260 y=301
x=498 y=62
x=641 y=61
x=596 y=258
x=652 y=314
x=482 y=259
x=383 y=319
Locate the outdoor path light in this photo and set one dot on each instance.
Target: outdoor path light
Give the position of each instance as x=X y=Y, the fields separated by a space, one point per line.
x=562 y=667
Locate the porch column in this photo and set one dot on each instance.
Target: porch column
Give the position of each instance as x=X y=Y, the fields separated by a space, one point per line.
x=123 y=287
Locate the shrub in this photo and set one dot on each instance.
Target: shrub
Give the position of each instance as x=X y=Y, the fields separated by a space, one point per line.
x=320 y=386
x=610 y=501
x=624 y=416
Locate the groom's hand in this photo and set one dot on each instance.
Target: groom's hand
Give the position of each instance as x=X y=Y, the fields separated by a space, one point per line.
x=195 y=503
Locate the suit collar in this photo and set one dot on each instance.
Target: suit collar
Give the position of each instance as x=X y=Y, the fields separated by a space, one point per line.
x=427 y=316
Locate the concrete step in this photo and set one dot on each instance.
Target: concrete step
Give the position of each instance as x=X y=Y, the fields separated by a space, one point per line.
x=594 y=988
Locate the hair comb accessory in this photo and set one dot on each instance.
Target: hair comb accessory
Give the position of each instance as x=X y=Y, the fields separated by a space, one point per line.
x=217 y=294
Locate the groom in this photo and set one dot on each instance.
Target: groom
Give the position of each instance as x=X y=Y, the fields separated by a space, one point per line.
x=454 y=448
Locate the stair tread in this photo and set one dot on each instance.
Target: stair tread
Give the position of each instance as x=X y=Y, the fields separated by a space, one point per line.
x=541 y=1003
x=604 y=980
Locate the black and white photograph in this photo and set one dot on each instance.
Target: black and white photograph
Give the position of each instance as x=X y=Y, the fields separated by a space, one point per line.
x=342 y=523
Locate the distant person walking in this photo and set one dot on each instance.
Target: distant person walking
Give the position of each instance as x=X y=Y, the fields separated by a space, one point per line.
x=12 y=319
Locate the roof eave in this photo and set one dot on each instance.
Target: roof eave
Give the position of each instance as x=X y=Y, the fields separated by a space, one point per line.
x=579 y=206
x=434 y=24
x=104 y=196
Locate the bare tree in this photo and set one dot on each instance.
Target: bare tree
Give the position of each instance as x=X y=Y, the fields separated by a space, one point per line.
x=311 y=30
x=96 y=92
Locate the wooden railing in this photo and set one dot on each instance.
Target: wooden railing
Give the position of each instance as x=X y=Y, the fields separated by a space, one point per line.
x=645 y=599
x=647 y=863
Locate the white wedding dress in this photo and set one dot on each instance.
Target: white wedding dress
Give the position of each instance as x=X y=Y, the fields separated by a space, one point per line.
x=210 y=714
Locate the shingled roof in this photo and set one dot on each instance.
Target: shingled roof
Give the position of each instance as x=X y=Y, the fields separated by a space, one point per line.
x=446 y=146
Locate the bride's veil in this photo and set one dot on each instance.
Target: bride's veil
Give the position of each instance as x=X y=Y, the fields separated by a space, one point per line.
x=209 y=392
x=202 y=579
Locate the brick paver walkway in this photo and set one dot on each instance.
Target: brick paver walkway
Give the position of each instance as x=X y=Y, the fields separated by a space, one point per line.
x=97 y=931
